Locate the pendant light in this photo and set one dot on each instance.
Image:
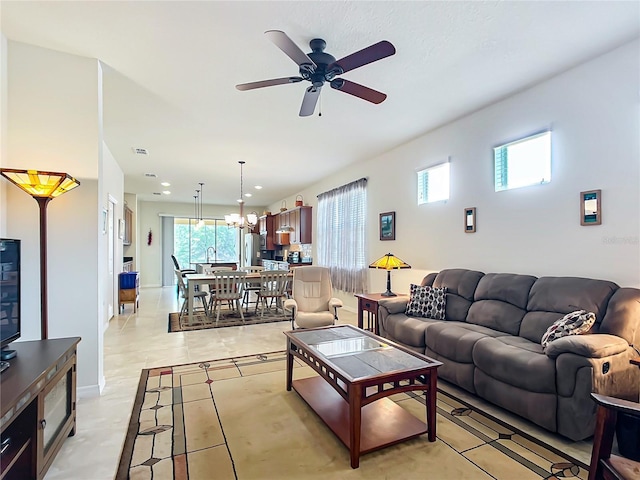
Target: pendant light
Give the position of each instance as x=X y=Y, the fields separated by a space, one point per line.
x=235 y=220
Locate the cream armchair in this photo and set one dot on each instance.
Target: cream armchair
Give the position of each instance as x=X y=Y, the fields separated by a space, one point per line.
x=312 y=304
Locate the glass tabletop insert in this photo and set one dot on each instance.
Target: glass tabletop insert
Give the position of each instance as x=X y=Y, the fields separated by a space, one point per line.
x=356 y=353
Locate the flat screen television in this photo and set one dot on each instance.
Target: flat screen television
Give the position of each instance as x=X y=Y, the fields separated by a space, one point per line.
x=9 y=294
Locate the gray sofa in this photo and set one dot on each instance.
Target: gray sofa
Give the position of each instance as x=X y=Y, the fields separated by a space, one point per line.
x=489 y=343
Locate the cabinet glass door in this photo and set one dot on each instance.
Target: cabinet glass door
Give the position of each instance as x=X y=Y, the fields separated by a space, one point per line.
x=57 y=409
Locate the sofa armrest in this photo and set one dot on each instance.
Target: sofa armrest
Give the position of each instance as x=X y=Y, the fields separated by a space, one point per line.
x=335 y=303
x=590 y=346
x=393 y=305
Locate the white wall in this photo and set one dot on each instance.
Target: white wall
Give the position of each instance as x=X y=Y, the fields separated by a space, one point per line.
x=54 y=123
x=3 y=130
x=593 y=111
x=133 y=250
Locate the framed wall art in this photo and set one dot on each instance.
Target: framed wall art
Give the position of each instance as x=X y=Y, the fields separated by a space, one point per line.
x=590 y=207
x=388 y=226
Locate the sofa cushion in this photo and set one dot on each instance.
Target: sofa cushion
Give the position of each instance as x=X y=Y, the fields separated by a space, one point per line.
x=408 y=330
x=461 y=285
x=428 y=302
x=562 y=295
x=500 y=300
x=623 y=316
x=455 y=340
x=516 y=361
x=574 y=323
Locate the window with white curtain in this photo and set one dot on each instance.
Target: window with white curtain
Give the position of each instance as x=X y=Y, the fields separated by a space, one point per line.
x=341 y=235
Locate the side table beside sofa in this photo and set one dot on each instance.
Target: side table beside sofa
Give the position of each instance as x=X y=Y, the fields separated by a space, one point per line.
x=490 y=343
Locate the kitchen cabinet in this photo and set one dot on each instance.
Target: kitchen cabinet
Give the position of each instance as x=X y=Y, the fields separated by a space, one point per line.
x=299 y=219
x=128 y=225
x=267 y=227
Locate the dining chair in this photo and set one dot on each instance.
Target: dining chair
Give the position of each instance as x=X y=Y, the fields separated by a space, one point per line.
x=182 y=288
x=228 y=286
x=605 y=465
x=251 y=286
x=312 y=303
x=183 y=272
x=272 y=287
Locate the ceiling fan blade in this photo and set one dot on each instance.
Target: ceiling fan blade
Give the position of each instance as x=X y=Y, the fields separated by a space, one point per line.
x=284 y=43
x=375 y=52
x=358 y=90
x=309 y=101
x=268 y=83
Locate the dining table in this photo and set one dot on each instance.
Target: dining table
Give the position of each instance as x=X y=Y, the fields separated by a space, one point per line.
x=194 y=279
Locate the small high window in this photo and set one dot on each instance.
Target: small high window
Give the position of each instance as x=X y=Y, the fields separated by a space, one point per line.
x=433 y=184
x=524 y=162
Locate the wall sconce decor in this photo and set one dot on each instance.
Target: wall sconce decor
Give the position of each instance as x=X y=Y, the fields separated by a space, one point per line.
x=470 y=220
x=43 y=186
x=388 y=226
x=590 y=208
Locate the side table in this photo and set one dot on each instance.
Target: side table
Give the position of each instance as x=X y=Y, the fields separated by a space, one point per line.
x=368 y=302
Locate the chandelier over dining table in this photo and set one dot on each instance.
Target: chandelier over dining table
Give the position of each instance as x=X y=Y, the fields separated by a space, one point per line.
x=238 y=220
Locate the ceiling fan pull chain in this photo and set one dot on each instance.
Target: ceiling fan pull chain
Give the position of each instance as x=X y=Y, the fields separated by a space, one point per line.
x=320 y=107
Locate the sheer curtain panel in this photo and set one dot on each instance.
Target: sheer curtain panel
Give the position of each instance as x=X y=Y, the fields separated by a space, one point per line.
x=342 y=242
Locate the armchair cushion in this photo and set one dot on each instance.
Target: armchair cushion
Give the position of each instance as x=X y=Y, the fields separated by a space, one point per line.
x=428 y=302
x=290 y=305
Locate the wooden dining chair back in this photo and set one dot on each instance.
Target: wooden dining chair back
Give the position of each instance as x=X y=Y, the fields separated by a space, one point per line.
x=184 y=294
x=228 y=288
x=604 y=464
x=273 y=284
x=183 y=271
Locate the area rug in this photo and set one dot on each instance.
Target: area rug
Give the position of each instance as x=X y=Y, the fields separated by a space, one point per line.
x=227 y=319
x=234 y=419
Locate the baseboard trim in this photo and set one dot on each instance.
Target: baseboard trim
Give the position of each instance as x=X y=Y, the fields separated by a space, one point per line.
x=90 y=391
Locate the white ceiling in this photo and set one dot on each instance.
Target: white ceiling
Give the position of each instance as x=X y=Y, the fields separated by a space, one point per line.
x=171 y=68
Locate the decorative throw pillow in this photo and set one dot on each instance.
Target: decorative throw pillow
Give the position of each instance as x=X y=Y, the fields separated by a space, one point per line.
x=427 y=302
x=574 y=323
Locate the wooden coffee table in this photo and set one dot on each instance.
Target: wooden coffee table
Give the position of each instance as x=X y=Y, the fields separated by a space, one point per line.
x=357 y=370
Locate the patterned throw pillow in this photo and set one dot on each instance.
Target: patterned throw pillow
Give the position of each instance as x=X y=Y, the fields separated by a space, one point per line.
x=427 y=302
x=574 y=323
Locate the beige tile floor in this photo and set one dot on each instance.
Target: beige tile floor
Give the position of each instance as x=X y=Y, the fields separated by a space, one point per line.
x=136 y=341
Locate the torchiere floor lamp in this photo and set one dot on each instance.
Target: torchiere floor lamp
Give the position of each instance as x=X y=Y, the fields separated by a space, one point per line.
x=43 y=186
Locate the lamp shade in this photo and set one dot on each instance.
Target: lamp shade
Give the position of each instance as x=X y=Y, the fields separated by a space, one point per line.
x=41 y=184
x=389 y=262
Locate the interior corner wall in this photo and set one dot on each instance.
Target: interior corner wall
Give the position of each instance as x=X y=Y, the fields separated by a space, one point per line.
x=53 y=124
x=3 y=130
x=593 y=111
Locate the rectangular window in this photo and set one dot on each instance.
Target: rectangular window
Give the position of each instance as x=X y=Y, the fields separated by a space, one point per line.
x=524 y=162
x=206 y=242
x=433 y=184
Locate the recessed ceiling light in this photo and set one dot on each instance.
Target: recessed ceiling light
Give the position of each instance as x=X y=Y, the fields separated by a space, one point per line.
x=165 y=184
x=258 y=187
x=248 y=195
x=166 y=192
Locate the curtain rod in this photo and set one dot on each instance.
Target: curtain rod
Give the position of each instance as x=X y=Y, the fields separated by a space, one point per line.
x=363 y=179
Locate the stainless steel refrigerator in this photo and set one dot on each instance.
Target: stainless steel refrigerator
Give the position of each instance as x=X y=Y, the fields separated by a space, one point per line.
x=251 y=255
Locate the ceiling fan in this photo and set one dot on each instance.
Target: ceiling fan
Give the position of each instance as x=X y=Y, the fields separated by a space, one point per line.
x=319 y=67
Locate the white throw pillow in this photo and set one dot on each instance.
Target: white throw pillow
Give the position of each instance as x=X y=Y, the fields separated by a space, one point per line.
x=429 y=302
x=574 y=323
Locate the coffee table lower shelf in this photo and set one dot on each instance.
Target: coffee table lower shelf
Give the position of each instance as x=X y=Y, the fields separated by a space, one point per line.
x=383 y=422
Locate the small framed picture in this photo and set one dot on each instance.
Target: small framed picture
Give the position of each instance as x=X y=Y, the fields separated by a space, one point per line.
x=470 y=220
x=590 y=208
x=388 y=226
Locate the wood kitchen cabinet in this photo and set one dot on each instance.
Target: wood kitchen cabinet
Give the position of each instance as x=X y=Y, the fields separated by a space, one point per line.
x=299 y=219
x=128 y=225
x=267 y=228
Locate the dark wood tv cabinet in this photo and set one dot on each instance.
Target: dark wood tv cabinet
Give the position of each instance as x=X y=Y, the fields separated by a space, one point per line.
x=38 y=406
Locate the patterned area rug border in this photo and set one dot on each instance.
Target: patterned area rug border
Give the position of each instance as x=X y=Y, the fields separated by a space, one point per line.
x=455 y=410
x=202 y=322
